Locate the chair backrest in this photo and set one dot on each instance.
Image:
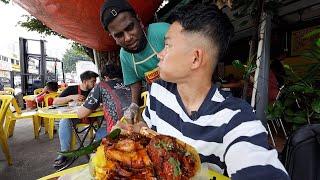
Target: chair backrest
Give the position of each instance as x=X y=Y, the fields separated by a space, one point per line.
x=301 y=154
x=9 y=90
x=37 y=91
x=144 y=96
x=61 y=89
x=16 y=107
x=48 y=97
x=4 y=104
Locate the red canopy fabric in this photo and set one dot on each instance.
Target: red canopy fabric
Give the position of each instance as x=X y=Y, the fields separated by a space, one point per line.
x=79 y=19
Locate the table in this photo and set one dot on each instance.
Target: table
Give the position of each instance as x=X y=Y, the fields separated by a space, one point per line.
x=65 y=172
x=29 y=97
x=30 y=101
x=68 y=112
x=76 y=169
x=65 y=112
x=5 y=93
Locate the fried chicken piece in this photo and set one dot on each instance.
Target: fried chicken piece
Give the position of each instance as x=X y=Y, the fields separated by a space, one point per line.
x=129 y=153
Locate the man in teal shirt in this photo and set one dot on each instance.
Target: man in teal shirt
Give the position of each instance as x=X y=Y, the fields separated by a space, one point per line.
x=139 y=46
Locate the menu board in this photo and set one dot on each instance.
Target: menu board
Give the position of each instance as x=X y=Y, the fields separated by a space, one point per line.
x=299 y=43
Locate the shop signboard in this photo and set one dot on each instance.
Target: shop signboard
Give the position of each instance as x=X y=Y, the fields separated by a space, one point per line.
x=5 y=74
x=5 y=64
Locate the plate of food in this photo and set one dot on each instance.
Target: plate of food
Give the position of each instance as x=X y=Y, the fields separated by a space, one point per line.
x=145 y=155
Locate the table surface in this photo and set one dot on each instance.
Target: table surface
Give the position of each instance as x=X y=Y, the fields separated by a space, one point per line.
x=29 y=97
x=5 y=93
x=82 y=167
x=65 y=172
x=65 y=112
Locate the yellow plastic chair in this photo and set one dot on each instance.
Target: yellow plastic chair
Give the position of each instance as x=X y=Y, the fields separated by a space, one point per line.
x=37 y=91
x=49 y=123
x=49 y=96
x=73 y=137
x=12 y=116
x=144 y=96
x=5 y=102
x=9 y=90
x=61 y=89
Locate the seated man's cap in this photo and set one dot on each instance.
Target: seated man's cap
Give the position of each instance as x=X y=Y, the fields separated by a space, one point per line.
x=111 y=9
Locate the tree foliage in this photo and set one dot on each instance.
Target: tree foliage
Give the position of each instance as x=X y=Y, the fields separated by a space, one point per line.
x=252 y=7
x=72 y=56
x=299 y=102
x=33 y=24
x=5 y=1
x=81 y=48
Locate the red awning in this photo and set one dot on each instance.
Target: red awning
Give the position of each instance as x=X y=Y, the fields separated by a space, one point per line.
x=79 y=19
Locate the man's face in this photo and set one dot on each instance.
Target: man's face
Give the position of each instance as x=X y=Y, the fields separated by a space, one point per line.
x=176 y=57
x=127 y=32
x=90 y=83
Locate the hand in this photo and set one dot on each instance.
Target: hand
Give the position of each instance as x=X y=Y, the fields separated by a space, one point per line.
x=127 y=128
x=75 y=97
x=81 y=98
x=45 y=89
x=130 y=113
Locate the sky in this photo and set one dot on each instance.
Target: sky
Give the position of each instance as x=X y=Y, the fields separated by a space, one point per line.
x=10 y=32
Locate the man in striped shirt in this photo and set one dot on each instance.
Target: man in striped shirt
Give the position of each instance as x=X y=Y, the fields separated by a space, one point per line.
x=186 y=105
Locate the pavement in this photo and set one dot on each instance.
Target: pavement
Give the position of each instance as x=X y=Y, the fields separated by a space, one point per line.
x=32 y=158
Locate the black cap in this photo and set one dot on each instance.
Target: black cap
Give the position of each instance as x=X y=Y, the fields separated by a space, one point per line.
x=111 y=9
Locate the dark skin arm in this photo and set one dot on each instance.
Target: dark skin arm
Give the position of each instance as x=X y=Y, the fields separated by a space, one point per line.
x=135 y=91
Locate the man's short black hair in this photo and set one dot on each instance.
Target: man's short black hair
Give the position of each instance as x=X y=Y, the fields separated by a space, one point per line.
x=111 y=71
x=88 y=75
x=52 y=86
x=209 y=21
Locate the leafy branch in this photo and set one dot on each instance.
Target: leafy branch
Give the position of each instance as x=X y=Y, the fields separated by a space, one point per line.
x=33 y=24
x=5 y=1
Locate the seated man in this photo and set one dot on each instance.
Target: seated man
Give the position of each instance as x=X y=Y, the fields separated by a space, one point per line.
x=76 y=93
x=186 y=105
x=50 y=87
x=112 y=93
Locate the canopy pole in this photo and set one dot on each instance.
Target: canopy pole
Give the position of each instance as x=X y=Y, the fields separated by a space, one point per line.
x=43 y=63
x=261 y=79
x=96 y=57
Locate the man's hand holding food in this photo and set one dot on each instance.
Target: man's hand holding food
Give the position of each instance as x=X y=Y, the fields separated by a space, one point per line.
x=127 y=128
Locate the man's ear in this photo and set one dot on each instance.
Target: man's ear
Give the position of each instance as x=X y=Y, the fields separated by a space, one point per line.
x=141 y=24
x=140 y=21
x=197 y=58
